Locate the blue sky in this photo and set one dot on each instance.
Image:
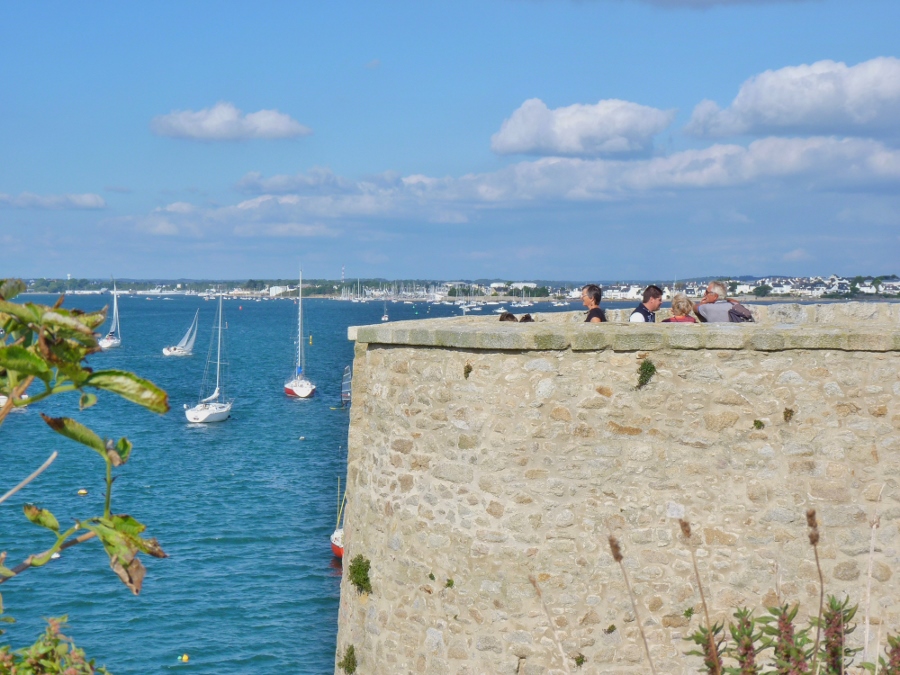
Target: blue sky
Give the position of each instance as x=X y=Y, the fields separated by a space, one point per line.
x=590 y=140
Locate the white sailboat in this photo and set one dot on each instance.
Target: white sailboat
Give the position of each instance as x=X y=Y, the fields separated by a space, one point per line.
x=298 y=386
x=186 y=346
x=346 y=381
x=215 y=407
x=113 y=337
x=385 y=317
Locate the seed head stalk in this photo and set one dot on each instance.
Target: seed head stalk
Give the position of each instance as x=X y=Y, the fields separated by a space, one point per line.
x=813 y=525
x=616 y=550
x=711 y=647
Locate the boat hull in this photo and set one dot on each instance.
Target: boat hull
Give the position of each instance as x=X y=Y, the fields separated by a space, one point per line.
x=337 y=543
x=175 y=351
x=109 y=343
x=299 y=388
x=208 y=412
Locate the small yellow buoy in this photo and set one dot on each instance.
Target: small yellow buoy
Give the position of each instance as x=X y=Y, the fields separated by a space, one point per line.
x=183 y=657
x=82 y=492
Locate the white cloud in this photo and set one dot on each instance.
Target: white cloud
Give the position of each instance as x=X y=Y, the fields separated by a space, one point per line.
x=796 y=255
x=284 y=230
x=606 y=128
x=29 y=200
x=317 y=180
x=811 y=165
x=224 y=122
x=177 y=207
x=826 y=97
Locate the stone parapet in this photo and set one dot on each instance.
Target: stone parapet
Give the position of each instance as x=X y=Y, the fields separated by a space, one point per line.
x=488 y=463
x=484 y=333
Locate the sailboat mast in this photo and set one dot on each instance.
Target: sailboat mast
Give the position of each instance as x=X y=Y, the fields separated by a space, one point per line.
x=300 y=359
x=219 y=346
x=115 y=321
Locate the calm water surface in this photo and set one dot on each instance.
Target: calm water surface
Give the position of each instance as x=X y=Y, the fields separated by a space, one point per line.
x=244 y=508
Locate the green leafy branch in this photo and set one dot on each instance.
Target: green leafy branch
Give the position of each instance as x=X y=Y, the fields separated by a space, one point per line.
x=48 y=345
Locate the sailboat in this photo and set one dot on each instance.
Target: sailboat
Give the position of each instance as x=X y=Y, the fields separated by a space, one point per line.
x=385 y=317
x=337 y=537
x=298 y=386
x=186 y=346
x=212 y=408
x=345 y=386
x=113 y=337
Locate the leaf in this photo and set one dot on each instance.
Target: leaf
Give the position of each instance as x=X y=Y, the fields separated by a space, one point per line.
x=41 y=517
x=24 y=361
x=131 y=387
x=70 y=322
x=126 y=524
x=122 y=550
x=86 y=401
x=25 y=313
x=69 y=428
x=123 y=448
x=10 y=288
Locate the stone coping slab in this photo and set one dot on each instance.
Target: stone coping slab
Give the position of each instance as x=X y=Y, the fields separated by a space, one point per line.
x=490 y=334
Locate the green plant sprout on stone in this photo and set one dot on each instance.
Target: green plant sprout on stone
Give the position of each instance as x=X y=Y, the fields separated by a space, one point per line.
x=431 y=576
x=449 y=583
x=788 y=414
x=348 y=663
x=46 y=347
x=610 y=629
x=646 y=371
x=759 y=424
x=688 y=613
x=358 y=573
x=580 y=660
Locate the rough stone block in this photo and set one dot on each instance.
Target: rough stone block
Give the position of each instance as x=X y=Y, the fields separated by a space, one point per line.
x=455 y=473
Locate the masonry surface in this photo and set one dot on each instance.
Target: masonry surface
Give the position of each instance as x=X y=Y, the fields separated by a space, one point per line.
x=501 y=456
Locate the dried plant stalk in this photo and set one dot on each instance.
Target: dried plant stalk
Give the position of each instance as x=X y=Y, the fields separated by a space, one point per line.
x=616 y=551
x=813 y=525
x=875 y=523
x=562 y=653
x=711 y=648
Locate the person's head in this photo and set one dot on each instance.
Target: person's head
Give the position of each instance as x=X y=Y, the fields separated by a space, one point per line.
x=590 y=295
x=652 y=298
x=508 y=316
x=718 y=289
x=681 y=306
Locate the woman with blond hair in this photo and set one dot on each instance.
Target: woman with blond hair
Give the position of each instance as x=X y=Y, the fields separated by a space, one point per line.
x=681 y=310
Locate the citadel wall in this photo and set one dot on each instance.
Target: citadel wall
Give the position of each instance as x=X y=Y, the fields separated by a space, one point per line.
x=501 y=456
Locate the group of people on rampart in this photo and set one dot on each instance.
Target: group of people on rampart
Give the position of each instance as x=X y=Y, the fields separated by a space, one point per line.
x=714 y=307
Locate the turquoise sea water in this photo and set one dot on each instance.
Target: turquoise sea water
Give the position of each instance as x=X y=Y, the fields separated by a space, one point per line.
x=244 y=508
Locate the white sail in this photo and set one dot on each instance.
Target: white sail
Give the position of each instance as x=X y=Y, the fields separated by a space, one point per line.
x=187 y=342
x=211 y=397
x=186 y=346
x=345 y=386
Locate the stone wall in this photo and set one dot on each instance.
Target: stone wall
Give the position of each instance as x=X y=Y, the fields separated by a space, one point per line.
x=501 y=456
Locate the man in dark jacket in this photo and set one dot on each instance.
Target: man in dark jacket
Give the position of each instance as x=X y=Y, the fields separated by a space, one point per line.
x=646 y=311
